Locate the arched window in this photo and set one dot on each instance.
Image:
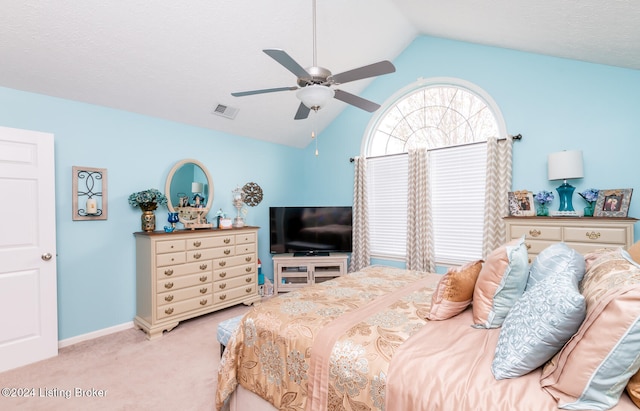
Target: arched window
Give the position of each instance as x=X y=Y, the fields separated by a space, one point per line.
x=452 y=118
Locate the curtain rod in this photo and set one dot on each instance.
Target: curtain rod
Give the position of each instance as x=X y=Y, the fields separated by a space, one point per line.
x=516 y=137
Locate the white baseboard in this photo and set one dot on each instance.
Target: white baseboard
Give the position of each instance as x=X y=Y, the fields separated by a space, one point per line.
x=95 y=334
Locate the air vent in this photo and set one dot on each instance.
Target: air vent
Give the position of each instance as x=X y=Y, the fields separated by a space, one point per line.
x=225 y=111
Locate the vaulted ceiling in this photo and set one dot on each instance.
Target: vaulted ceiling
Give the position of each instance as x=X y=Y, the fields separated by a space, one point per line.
x=180 y=60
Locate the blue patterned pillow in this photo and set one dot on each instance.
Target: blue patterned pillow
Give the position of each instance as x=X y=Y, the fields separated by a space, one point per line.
x=538 y=326
x=557 y=259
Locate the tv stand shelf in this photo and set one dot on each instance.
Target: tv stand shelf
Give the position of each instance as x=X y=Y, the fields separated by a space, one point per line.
x=290 y=272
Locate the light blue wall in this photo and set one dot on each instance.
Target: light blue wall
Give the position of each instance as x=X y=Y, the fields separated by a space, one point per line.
x=554 y=103
x=96 y=261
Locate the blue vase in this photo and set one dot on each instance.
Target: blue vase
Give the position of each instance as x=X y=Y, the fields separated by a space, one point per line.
x=542 y=210
x=588 y=210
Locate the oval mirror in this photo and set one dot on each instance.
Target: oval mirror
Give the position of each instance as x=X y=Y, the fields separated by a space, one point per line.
x=189 y=191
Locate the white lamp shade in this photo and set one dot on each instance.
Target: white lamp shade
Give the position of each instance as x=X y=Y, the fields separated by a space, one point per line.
x=315 y=96
x=565 y=165
x=197 y=187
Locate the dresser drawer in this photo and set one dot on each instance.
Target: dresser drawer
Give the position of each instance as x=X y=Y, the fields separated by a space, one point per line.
x=206 y=242
x=536 y=232
x=170 y=259
x=227 y=273
x=210 y=253
x=245 y=248
x=600 y=235
x=231 y=283
x=169 y=310
x=233 y=261
x=222 y=240
x=170 y=246
x=246 y=238
x=171 y=297
x=224 y=296
x=173 y=271
x=183 y=282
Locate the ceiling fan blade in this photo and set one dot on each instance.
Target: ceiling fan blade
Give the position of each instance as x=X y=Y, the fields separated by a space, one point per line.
x=266 y=90
x=302 y=113
x=372 y=70
x=289 y=63
x=357 y=101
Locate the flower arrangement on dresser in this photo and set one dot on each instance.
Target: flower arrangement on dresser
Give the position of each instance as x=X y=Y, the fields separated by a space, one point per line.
x=543 y=198
x=590 y=195
x=148 y=201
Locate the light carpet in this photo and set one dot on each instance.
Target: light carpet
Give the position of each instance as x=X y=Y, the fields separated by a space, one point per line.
x=125 y=371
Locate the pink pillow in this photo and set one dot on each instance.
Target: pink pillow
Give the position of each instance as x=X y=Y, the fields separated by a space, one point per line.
x=500 y=284
x=593 y=368
x=454 y=291
x=597 y=362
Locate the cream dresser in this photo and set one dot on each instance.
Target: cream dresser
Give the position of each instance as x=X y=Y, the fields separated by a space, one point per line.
x=583 y=234
x=188 y=273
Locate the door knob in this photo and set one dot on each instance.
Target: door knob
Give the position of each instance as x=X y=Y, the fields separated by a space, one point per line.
x=46 y=257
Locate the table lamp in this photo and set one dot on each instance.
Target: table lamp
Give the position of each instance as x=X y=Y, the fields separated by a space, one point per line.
x=565 y=165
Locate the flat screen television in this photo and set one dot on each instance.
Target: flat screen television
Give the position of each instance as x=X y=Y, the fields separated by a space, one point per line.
x=306 y=231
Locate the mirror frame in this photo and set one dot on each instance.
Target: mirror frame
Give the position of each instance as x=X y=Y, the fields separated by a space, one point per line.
x=167 y=189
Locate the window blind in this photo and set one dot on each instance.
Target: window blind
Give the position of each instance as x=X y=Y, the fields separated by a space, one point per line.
x=458 y=179
x=387 y=202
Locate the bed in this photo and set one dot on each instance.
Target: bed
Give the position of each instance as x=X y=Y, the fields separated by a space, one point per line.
x=364 y=341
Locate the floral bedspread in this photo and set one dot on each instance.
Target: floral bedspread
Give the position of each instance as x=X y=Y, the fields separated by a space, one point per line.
x=327 y=346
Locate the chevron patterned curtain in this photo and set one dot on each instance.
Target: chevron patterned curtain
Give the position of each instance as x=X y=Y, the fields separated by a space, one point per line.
x=498 y=184
x=360 y=256
x=420 y=249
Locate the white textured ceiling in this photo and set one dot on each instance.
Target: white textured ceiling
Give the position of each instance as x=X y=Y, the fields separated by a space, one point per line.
x=179 y=59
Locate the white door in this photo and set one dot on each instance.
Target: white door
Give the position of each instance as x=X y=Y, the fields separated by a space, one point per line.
x=28 y=292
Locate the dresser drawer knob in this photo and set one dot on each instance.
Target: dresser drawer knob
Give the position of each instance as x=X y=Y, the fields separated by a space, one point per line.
x=203 y=301
x=528 y=246
x=203 y=290
x=247 y=259
x=168 y=285
x=223 y=286
x=203 y=266
x=197 y=256
x=223 y=296
x=534 y=233
x=168 y=272
x=169 y=311
x=227 y=240
x=593 y=235
x=248 y=269
x=248 y=289
x=248 y=279
x=223 y=274
x=168 y=298
x=227 y=252
x=203 y=278
x=197 y=243
x=222 y=263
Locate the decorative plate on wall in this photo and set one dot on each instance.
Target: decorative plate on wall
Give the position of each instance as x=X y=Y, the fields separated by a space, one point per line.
x=252 y=194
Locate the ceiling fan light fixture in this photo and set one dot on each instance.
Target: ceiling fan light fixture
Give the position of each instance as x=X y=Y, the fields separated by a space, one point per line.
x=316 y=96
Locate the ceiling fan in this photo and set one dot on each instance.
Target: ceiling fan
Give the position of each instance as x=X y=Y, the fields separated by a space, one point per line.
x=315 y=83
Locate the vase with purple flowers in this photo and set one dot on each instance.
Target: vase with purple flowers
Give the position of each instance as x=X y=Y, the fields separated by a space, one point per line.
x=543 y=198
x=590 y=196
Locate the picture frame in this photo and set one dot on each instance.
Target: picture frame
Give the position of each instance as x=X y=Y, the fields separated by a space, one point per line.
x=521 y=204
x=613 y=202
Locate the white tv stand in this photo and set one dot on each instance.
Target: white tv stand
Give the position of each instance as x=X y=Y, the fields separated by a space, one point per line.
x=290 y=273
